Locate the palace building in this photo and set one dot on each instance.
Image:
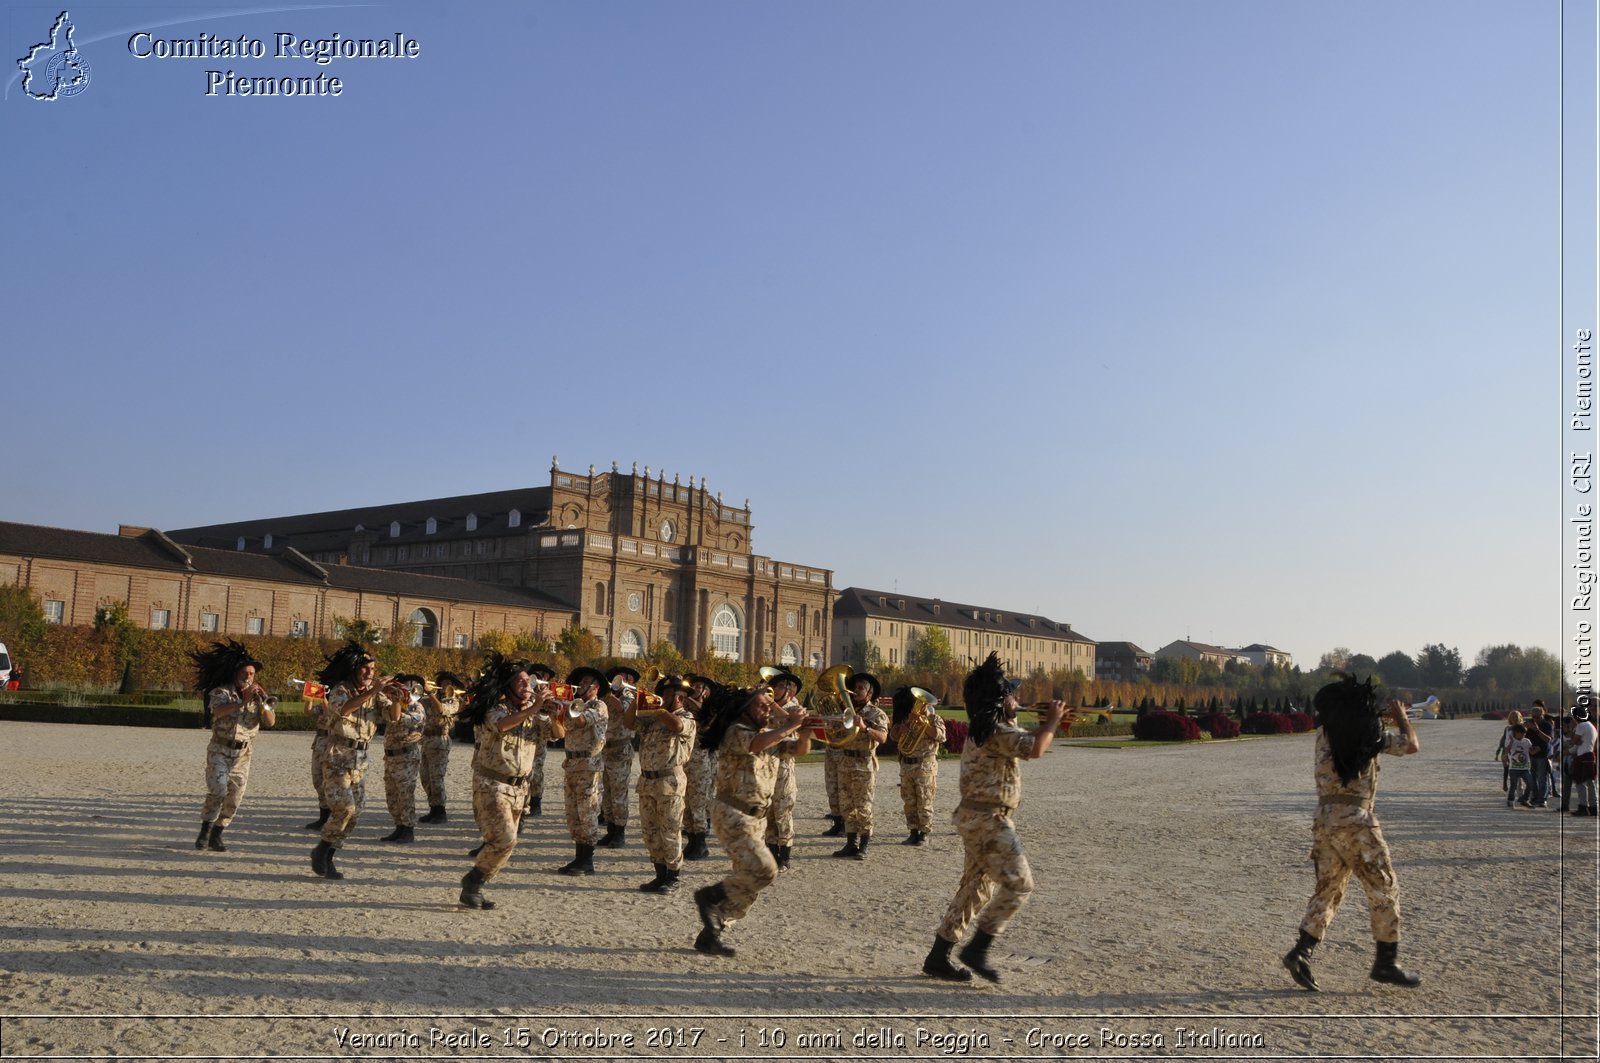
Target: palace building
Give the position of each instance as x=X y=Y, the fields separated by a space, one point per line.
x=636 y=560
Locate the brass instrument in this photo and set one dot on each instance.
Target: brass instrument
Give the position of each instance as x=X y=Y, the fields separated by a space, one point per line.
x=311 y=691
x=833 y=709
x=562 y=694
x=649 y=702
x=769 y=672
x=919 y=730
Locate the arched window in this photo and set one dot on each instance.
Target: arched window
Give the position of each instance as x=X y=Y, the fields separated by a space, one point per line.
x=472 y=522
x=240 y=544
x=790 y=655
x=600 y=598
x=266 y=541
x=816 y=623
x=394 y=529
x=514 y=518
x=433 y=526
x=667 y=602
x=632 y=644
x=425 y=628
x=816 y=660
x=727 y=632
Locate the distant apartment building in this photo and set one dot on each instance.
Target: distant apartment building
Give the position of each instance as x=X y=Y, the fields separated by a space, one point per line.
x=1121 y=662
x=1257 y=654
x=892 y=622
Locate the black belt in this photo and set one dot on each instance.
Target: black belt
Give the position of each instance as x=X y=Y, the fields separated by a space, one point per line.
x=857 y=752
x=918 y=759
x=350 y=742
x=402 y=749
x=435 y=732
x=665 y=773
x=232 y=745
x=509 y=780
x=972 y=805
x=740 y=806
x=619 y=744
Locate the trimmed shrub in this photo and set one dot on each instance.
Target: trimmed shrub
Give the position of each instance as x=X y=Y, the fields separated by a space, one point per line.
x=1220 y=725
x=955 y=735
x=1301 y=722
x=1161 y=726
x=1267 y=723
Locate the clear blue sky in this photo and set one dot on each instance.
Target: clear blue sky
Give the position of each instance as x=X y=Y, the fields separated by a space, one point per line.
x=1226 y=320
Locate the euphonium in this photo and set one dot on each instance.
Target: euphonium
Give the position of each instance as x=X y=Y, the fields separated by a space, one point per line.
x=919 y=731
x=833 y=707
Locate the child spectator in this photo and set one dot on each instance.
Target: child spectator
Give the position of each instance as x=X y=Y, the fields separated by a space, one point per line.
x=1519 y=760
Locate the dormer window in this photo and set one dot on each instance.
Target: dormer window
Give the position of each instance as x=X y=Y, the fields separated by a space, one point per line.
x=266 y=541
x=394 y=529
x=472 y=522
x=432 y=526
x=514 y=519
x=240 y=544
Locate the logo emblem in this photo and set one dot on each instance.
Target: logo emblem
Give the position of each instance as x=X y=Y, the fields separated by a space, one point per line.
x=55 y=69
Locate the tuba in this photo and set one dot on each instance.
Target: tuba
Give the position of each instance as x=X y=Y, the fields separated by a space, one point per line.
x=832 y=707
x=917 y=735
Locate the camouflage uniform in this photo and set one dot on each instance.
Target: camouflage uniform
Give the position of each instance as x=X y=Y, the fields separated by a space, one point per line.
x=582 y=771
x=785 y=795
x=700 y=776
x=662 y=782
x=1347 y=839
x=344 y=761
x=745 y=782
x=402 y=761
x=830 y=774
x=919 y=780
x=436 y=747
x=536 y=777
x=618 y=760
x=318 y=710
x=501 y=765
x=228 y=753
x=991 y=788
x=858 y=771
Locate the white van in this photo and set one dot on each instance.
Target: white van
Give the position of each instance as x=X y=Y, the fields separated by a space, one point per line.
x=5 y=666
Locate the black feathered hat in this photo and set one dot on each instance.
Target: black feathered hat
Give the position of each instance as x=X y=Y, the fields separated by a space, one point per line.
x=621 y=669
x=542 y=671
x=785 y=676
x=724 y=707
x=904 y=702
x=218 y=666
x=450 y=679
x=673 y=684
x=1348 y=713
x=342 y=664
x=583 y=671
x=872 y=681
x=985 y=693
x=493 y=683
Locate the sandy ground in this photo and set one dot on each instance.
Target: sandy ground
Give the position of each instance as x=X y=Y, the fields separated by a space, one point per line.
x=1169 y=883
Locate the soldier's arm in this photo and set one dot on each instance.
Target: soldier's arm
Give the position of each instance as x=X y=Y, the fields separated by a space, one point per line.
x=1408 y=734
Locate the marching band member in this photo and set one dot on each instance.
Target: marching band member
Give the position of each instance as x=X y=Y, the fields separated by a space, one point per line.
x=666 y=738
x=402 y=760
x=995 y=876
x=239 y=707
x=744 y=734
x=919 y=770
x=858 y=765
x=542 y=673
x=508 y=724
x=1346 y=837
x=317 y=709
x=700 y=773
x=785 y=792
x=355 y=701
x=441 y=706
x=617 y=755
x=586 y=725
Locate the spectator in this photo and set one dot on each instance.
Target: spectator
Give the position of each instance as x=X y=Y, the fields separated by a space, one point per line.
x=1519 y=752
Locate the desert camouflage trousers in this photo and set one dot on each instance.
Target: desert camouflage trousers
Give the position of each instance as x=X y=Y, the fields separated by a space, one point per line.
x=919 y=784
x=1355 y=849
x=858 y=778
x=435 y=765
x=582 y=778
x=780 y=813
x=227 y=775
x=701 y=775
x=344 y=790
x=400 y=769
x=536 y=777
x=754 y=868
x=994 y=865
x=498 y=809
x=319 y=746
x=614 y=785
x=830 y=778
x=661 y=821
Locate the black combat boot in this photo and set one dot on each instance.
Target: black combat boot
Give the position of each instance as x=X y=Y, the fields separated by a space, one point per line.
x=837 y=830
x=205 y=834
x=614 y=837
x=214 y=841
x=472 y=891
x=783 y=857
x=435 y=815
x=669 y=879
x=535 y=807
x=916 y=837
x=582 y=864
x=476 y=849
x=851 y=849
x=1385 y=969
x=706 y=898
x=1298 y=962
x=400 y=834
x=696 y=849
x=322 y=861
x=976 y=956
x=322 y=817
x=861 y=845
x=938 y=964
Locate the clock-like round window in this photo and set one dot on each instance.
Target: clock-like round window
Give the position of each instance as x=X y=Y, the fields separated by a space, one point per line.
x=669 y=531
x=790 y=618
x=634 y=601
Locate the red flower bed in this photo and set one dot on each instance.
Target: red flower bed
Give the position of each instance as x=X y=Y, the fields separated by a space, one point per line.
x=1161 y=726
x=1220 y=725
x=955 y=736
x=1268 y=723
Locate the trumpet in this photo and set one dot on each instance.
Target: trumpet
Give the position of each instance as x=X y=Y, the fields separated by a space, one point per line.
x=562 y=694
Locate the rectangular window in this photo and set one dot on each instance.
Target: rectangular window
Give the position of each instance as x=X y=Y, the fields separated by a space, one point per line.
x=54 y=612
x=893 y=628
x=894 y=655
x=255 y=625
x=461 y=641
x=208 y=621
x=400 y=553
x=160 y=619
x=299 y=629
